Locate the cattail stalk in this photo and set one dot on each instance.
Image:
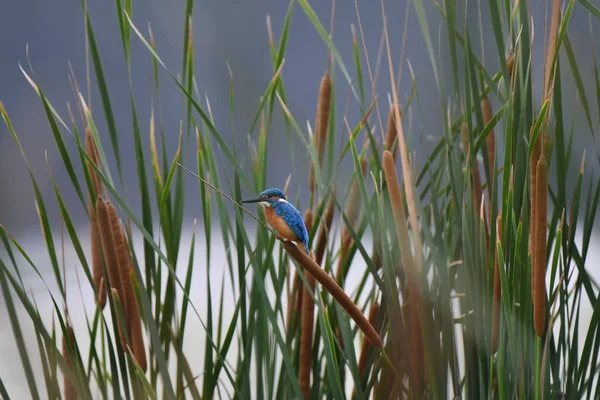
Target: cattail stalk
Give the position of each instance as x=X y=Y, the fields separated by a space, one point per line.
x=306 y=336
x=539 y=285
x=306 y=329
x=335 y=291
x=497 y=288
x=414 y=297
x=70 y=389
x=321 y=125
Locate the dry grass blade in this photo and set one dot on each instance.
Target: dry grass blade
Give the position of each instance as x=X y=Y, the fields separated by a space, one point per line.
x=336 y=292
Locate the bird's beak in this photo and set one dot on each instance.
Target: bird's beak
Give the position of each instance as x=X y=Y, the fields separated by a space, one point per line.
x=256 y=200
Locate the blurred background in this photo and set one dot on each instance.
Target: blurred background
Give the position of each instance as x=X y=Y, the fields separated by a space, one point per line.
x=226 y=33
x=44 y=38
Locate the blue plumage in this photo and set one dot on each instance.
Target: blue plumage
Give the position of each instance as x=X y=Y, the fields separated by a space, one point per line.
x=293 y=219
x=282 y=216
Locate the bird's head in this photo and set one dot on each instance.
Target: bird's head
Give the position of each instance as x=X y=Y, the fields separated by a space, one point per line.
x=268 y=197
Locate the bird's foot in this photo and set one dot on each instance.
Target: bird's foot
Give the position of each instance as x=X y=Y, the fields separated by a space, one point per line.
x=280 y=237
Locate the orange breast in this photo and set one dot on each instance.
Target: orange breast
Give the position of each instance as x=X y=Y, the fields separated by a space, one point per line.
x=279 y=224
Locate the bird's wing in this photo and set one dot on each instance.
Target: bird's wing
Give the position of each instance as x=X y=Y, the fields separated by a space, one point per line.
x=294 y=219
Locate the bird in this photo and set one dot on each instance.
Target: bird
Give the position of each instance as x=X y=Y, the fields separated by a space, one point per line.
x=283 y=217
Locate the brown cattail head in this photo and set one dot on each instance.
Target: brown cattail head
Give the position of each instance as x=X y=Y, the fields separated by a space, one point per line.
x=135 y=326
x=497 y=289
x=69 y=342
x=539 y=284
x=125 y=290
x=108 y=243
x=109 y=249
x=392 y=134
x=321 y=125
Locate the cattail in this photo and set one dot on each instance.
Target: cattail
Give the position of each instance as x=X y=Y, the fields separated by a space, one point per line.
x=125 y=291
x=135 y=327
x=414 y=297
x=308 y=310
x=296 y=293
x=321 y=125
x=137 y=338
x=497 y=288
x=294 y=301
x=306 y=336
x=70 y=390
x=364 y=351
x=335 y=291
x=539 y=285
x=392 y=133
x=110 y=252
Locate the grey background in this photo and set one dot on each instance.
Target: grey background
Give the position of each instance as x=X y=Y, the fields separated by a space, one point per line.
x=230 y=32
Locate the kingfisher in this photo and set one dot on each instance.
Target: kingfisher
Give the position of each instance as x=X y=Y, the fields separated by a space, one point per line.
x=283 y=217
